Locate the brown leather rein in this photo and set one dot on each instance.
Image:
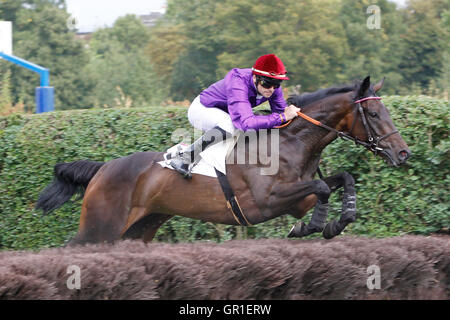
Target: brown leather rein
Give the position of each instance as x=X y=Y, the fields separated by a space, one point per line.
x=371 y=144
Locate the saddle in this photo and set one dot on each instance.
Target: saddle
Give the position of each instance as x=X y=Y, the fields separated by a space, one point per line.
x=212 y=164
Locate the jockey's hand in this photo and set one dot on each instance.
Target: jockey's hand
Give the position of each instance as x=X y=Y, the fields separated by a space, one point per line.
x=291 y=112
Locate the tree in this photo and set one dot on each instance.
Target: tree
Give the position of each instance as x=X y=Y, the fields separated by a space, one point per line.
x=425 y=40
x=311 y=47
x=234 y=33
x=166 y=44
x=119 y=65
x=194 y=68
x=377 y=51
x=5 y=92
x=443 y=82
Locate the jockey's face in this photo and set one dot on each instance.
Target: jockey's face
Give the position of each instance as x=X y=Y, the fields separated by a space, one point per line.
x=265 y=92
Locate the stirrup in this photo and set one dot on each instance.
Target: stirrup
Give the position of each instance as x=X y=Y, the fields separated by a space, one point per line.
x=182 y=167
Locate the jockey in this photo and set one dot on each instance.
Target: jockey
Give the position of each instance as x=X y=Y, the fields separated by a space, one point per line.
x=227 y=105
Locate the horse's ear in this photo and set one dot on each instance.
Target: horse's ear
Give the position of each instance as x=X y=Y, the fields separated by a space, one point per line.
x=365 y=85
x=379 y=85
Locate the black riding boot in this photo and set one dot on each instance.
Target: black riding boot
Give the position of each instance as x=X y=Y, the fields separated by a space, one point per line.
x=191 y=156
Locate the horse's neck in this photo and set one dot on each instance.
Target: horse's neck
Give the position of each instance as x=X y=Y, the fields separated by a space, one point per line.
x=332 y=110
x=310 y=140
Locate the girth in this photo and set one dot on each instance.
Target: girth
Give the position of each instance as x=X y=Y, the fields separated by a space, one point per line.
x=232 y=202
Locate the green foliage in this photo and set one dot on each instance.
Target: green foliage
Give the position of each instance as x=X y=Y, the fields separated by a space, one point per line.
x=424 y=42
x=391 y=201
x=6 y=99
x=118 y=65
x=377 y=52
x=193 y=69
x=5 y=91
x=321 y=42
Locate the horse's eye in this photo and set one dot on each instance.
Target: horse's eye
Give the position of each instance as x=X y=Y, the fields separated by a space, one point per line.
x=373 y=114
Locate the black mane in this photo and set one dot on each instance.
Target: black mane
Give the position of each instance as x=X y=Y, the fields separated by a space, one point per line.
x=309 y=97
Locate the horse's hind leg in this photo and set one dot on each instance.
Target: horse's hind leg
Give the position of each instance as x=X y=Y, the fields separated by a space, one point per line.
x=99 y=225
x=348 y=214
x=103 y=217
x=146 y=227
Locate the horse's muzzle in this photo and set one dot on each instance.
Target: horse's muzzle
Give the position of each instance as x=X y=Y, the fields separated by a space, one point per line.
x=396 y=159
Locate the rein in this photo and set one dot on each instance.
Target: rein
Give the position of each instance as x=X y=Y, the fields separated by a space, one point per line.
x=372 y=143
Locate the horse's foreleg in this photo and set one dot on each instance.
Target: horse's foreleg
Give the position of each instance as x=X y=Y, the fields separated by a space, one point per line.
x=146 y=228
x=136 y=214
x=156 y=222
x=348 y=214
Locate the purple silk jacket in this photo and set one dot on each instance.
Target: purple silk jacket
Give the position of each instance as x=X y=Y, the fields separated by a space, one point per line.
x=236 y=94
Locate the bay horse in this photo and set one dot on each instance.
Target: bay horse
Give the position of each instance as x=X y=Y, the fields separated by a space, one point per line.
x=132 y=196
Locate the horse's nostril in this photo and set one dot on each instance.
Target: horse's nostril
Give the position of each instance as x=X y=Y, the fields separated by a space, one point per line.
x=404 y=154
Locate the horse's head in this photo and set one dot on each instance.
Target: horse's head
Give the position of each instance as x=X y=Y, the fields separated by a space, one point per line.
x=371 y=123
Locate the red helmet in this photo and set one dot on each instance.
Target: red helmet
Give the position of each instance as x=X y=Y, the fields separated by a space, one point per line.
x=270 y=66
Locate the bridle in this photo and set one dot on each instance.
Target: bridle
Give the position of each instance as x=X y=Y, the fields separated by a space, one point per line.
x=373 y=141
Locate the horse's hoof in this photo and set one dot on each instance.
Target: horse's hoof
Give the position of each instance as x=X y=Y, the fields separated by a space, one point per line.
x=291 y=232
x=297 y=230
x=329 y=231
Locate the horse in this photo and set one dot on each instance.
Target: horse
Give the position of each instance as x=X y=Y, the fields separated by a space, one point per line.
x=132 y=196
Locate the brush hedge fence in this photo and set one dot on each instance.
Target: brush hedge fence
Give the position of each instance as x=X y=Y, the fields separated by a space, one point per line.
x=346 y=268
x=391 y=201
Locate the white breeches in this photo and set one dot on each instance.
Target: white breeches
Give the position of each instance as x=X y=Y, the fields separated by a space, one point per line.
x=204 y=118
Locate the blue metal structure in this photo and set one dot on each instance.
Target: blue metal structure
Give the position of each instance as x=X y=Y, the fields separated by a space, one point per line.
x=44 y=93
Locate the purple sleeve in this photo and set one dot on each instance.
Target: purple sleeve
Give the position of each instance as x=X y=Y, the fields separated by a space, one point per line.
x=240 y=109
x=277 y=102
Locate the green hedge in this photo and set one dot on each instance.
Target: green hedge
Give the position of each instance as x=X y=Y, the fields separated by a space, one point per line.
x=391 y=201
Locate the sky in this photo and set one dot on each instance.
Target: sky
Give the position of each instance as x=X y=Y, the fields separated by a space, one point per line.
x=93 y=14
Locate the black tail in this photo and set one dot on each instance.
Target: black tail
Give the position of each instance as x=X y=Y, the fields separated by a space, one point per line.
x=70 y=178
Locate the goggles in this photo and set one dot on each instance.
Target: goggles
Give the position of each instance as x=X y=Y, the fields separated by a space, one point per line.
x=265 y=83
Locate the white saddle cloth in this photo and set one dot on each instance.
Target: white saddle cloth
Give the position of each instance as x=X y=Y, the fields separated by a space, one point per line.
x=213 y=157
